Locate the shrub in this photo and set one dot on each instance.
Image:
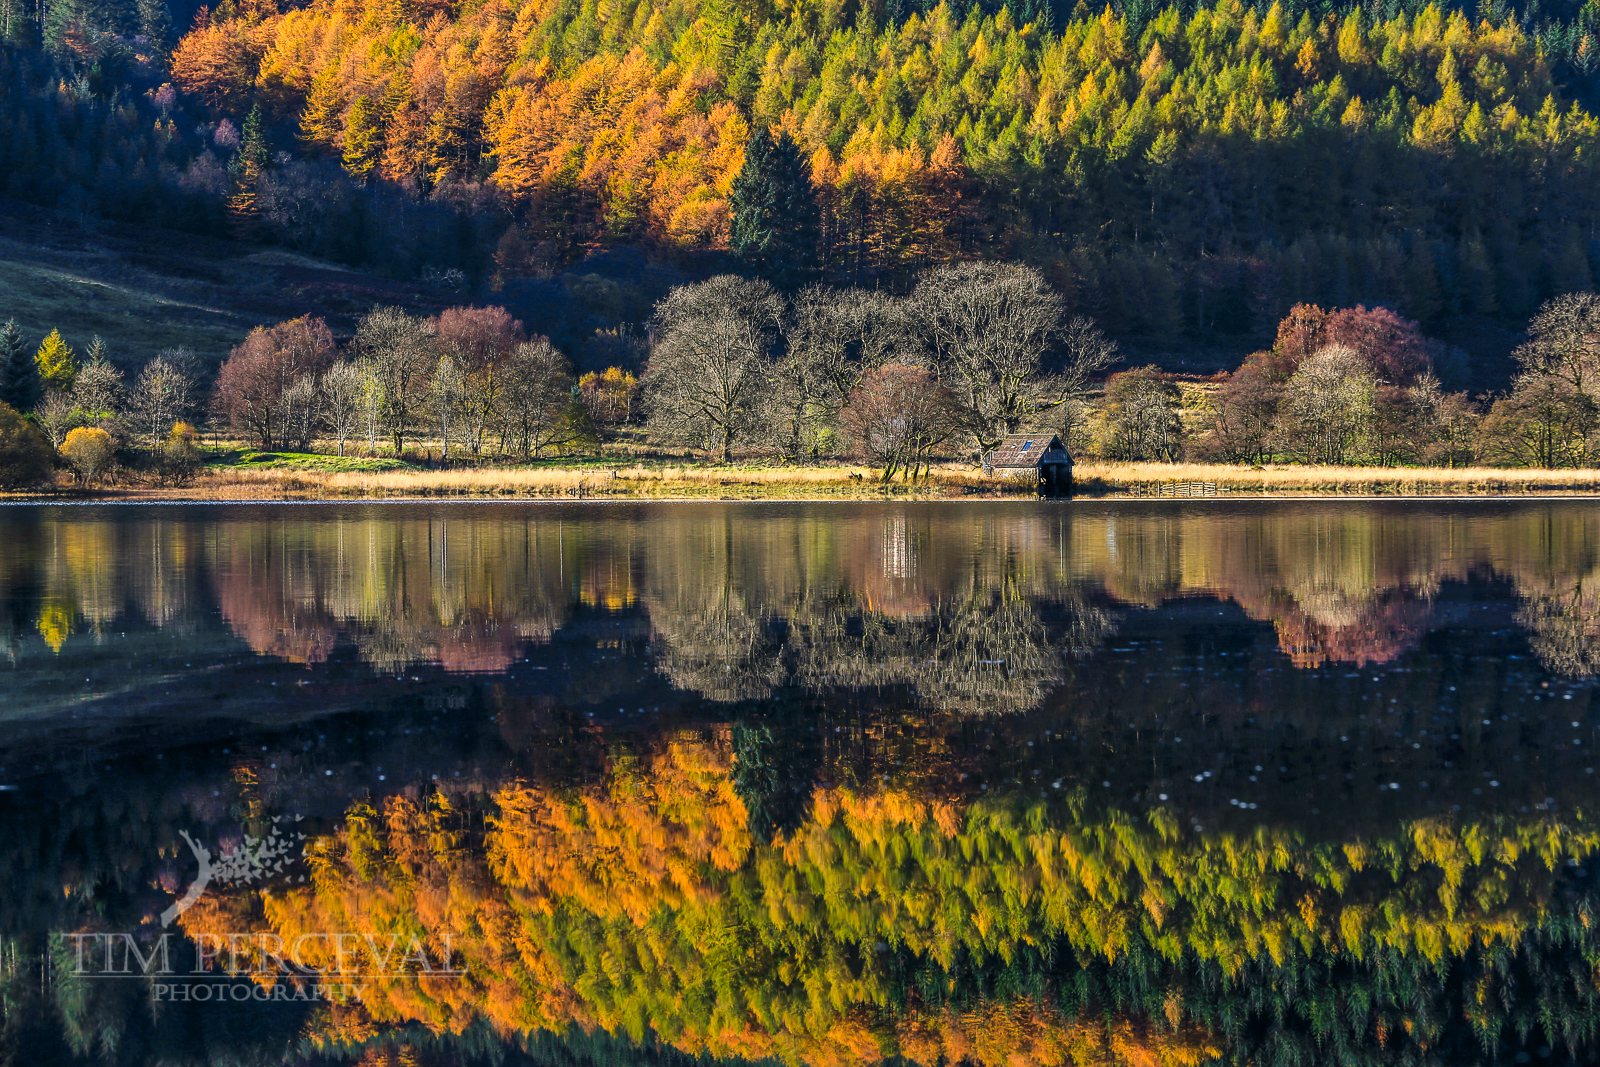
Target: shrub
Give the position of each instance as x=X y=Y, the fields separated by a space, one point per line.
x=25 y=459
x=88 y=451
x=180 y=452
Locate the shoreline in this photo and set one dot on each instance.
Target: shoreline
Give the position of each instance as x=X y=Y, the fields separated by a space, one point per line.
x=635 y=482
x=1240 y=498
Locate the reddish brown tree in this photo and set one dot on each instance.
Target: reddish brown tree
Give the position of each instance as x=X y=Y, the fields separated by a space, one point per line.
x=478 y=341
x=479 y=337
x=897 y=416
x=1393 y=347
x=1243 y=412
x=253 y=384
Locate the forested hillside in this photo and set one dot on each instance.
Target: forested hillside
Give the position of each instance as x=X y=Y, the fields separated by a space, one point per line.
x=1177 y=173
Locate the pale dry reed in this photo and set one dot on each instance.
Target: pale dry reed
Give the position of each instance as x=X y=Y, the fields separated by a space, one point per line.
x=631 y=481
x=1099 y=478
x=1092 y=478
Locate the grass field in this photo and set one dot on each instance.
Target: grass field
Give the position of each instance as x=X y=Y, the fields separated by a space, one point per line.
x=304 y=462
x=144 y=291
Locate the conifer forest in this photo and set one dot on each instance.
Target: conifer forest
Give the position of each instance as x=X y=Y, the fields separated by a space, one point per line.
x=1179 y=173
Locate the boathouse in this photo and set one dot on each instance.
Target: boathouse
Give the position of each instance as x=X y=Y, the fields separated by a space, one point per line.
x=1037 y=457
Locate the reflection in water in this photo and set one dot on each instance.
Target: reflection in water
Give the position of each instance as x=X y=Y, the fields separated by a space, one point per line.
x=746 y=602
x=1000 y=785
x=916 y=916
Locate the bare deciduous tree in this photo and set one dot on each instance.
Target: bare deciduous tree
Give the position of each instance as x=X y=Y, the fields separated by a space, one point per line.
x=1327 y=406
x=897 y=416
x=1141 y=417
x=97 y=391
x=988 y=328
x=302 y=411
x=56 y=416
x=446 y=394
x=479 y=340
x=402 y=352
x=711 y=363
x=343 y=393
x=1564 y=342
x=163 y=394
x=253 y=383
x=832 y=337
x=536 y=400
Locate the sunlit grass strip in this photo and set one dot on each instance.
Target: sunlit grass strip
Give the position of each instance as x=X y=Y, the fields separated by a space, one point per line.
x=637 y=481
x=1096 y=478
x=633 y=481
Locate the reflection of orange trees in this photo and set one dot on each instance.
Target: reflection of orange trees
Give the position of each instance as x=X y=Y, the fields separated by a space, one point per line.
x=649 y=840
x=641 y=903
x=402 y=880
x=1027 y=1032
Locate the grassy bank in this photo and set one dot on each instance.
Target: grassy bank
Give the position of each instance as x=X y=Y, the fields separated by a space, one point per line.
x=269 y=476
x=1103 y=479
x=586 y=481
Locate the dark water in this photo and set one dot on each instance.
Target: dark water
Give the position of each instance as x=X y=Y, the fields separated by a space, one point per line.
x=1004 y=784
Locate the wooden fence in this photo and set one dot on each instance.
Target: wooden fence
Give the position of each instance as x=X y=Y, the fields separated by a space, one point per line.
x=1178 y=489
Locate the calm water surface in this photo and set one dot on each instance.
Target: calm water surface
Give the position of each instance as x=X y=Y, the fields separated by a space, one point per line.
x=1003 y=784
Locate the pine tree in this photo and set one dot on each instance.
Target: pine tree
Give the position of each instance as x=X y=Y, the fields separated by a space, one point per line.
x=775 y=218
x=247 y=165
x=753 y=199
x=252 y=157
x=19 y=375
x=155 y=24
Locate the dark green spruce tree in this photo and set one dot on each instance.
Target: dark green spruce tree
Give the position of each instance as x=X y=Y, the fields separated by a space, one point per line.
x=19 y=375
x=775 y=218
x=155 y=24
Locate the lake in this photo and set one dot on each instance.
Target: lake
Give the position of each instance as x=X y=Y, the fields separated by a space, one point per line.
x=1006 y=783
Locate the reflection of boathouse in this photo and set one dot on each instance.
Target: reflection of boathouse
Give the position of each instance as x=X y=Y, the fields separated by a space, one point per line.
x=1039 y=458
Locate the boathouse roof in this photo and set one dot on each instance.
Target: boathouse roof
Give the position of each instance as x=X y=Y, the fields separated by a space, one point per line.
x=1028 y=450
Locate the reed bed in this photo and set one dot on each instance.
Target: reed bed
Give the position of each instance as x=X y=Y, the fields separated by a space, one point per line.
x=620 y=482
x=710 y=482
x=1094 y=478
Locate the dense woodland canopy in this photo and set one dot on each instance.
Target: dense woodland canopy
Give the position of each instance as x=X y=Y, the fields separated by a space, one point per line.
x=1176 y=172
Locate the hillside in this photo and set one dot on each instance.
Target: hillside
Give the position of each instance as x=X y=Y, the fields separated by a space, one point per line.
x=143 y=291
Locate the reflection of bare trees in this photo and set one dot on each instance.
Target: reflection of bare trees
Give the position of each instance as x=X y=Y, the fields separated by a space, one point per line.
x=970 y=606
x=906 y=601
x=1564 y=629
x=988 y=655
x=725 y=653
x=979 y=654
